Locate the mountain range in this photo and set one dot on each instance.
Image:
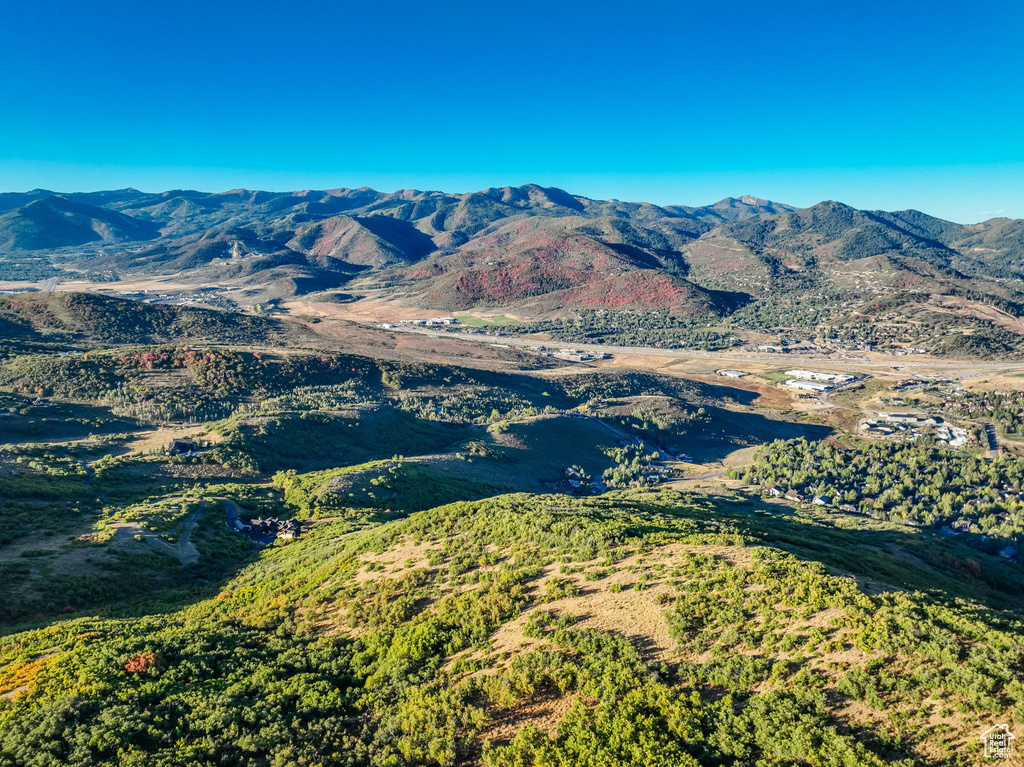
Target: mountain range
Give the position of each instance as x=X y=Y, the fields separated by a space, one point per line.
x=538 y=250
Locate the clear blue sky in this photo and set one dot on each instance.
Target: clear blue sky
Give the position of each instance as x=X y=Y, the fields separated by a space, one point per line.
x=879 y=104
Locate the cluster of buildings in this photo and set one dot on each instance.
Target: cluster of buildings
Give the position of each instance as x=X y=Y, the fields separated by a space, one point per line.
x=793 y=494
x=578 y=355
x=813 y=381
x=970 y=528
x=905 y=350
x=203 y=296
x=580 y=483
x=787 y=346
x=853 y=346
x=911 y=425
x=830 y=346
x=919 y=384
x=431 y=322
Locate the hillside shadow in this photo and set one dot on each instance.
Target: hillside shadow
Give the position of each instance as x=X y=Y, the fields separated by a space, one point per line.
x=61 y=421
x=738 y=395
x=880 y=560
x=130 y=579
x=730 y=431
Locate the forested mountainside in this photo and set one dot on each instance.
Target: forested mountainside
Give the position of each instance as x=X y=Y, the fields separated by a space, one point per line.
x=539 y=249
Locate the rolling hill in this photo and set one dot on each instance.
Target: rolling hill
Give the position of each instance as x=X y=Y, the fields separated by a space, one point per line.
x=637 y=628
x=71 y=317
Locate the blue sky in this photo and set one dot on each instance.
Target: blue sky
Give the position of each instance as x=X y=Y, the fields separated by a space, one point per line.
x=881 y=105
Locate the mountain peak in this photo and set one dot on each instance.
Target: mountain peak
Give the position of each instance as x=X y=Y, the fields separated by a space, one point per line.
x=832 y=206
x=50 y=201
x=749 y=199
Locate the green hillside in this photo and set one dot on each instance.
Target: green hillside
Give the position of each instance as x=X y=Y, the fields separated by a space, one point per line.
x=634 y=629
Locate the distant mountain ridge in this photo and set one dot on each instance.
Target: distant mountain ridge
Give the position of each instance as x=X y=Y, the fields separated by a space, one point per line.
x=55 y=222
x=538 y=249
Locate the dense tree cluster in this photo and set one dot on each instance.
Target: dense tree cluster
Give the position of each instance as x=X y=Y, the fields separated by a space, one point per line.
x=1003 y=408
x=901 y=481
x=659 y=328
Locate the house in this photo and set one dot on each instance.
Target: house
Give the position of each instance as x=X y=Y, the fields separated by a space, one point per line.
x=821 y=500
x=849 y=508
x=794 y=495
x=962 y=525
x=181 y=446
x=1008 y=553
x=774 y=491
x=279 y=528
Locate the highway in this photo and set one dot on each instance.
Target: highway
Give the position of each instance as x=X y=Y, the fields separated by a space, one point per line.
x=934 y=367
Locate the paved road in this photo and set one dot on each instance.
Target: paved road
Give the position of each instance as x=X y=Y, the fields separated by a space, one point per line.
x=619 y=434
x=993 y=440
x=233 y=511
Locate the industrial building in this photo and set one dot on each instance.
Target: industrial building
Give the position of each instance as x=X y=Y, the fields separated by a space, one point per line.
x=808 y=385
x=811 y=375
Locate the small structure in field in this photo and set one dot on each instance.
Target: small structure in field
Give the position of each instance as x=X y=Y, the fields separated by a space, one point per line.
x=182 y=446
